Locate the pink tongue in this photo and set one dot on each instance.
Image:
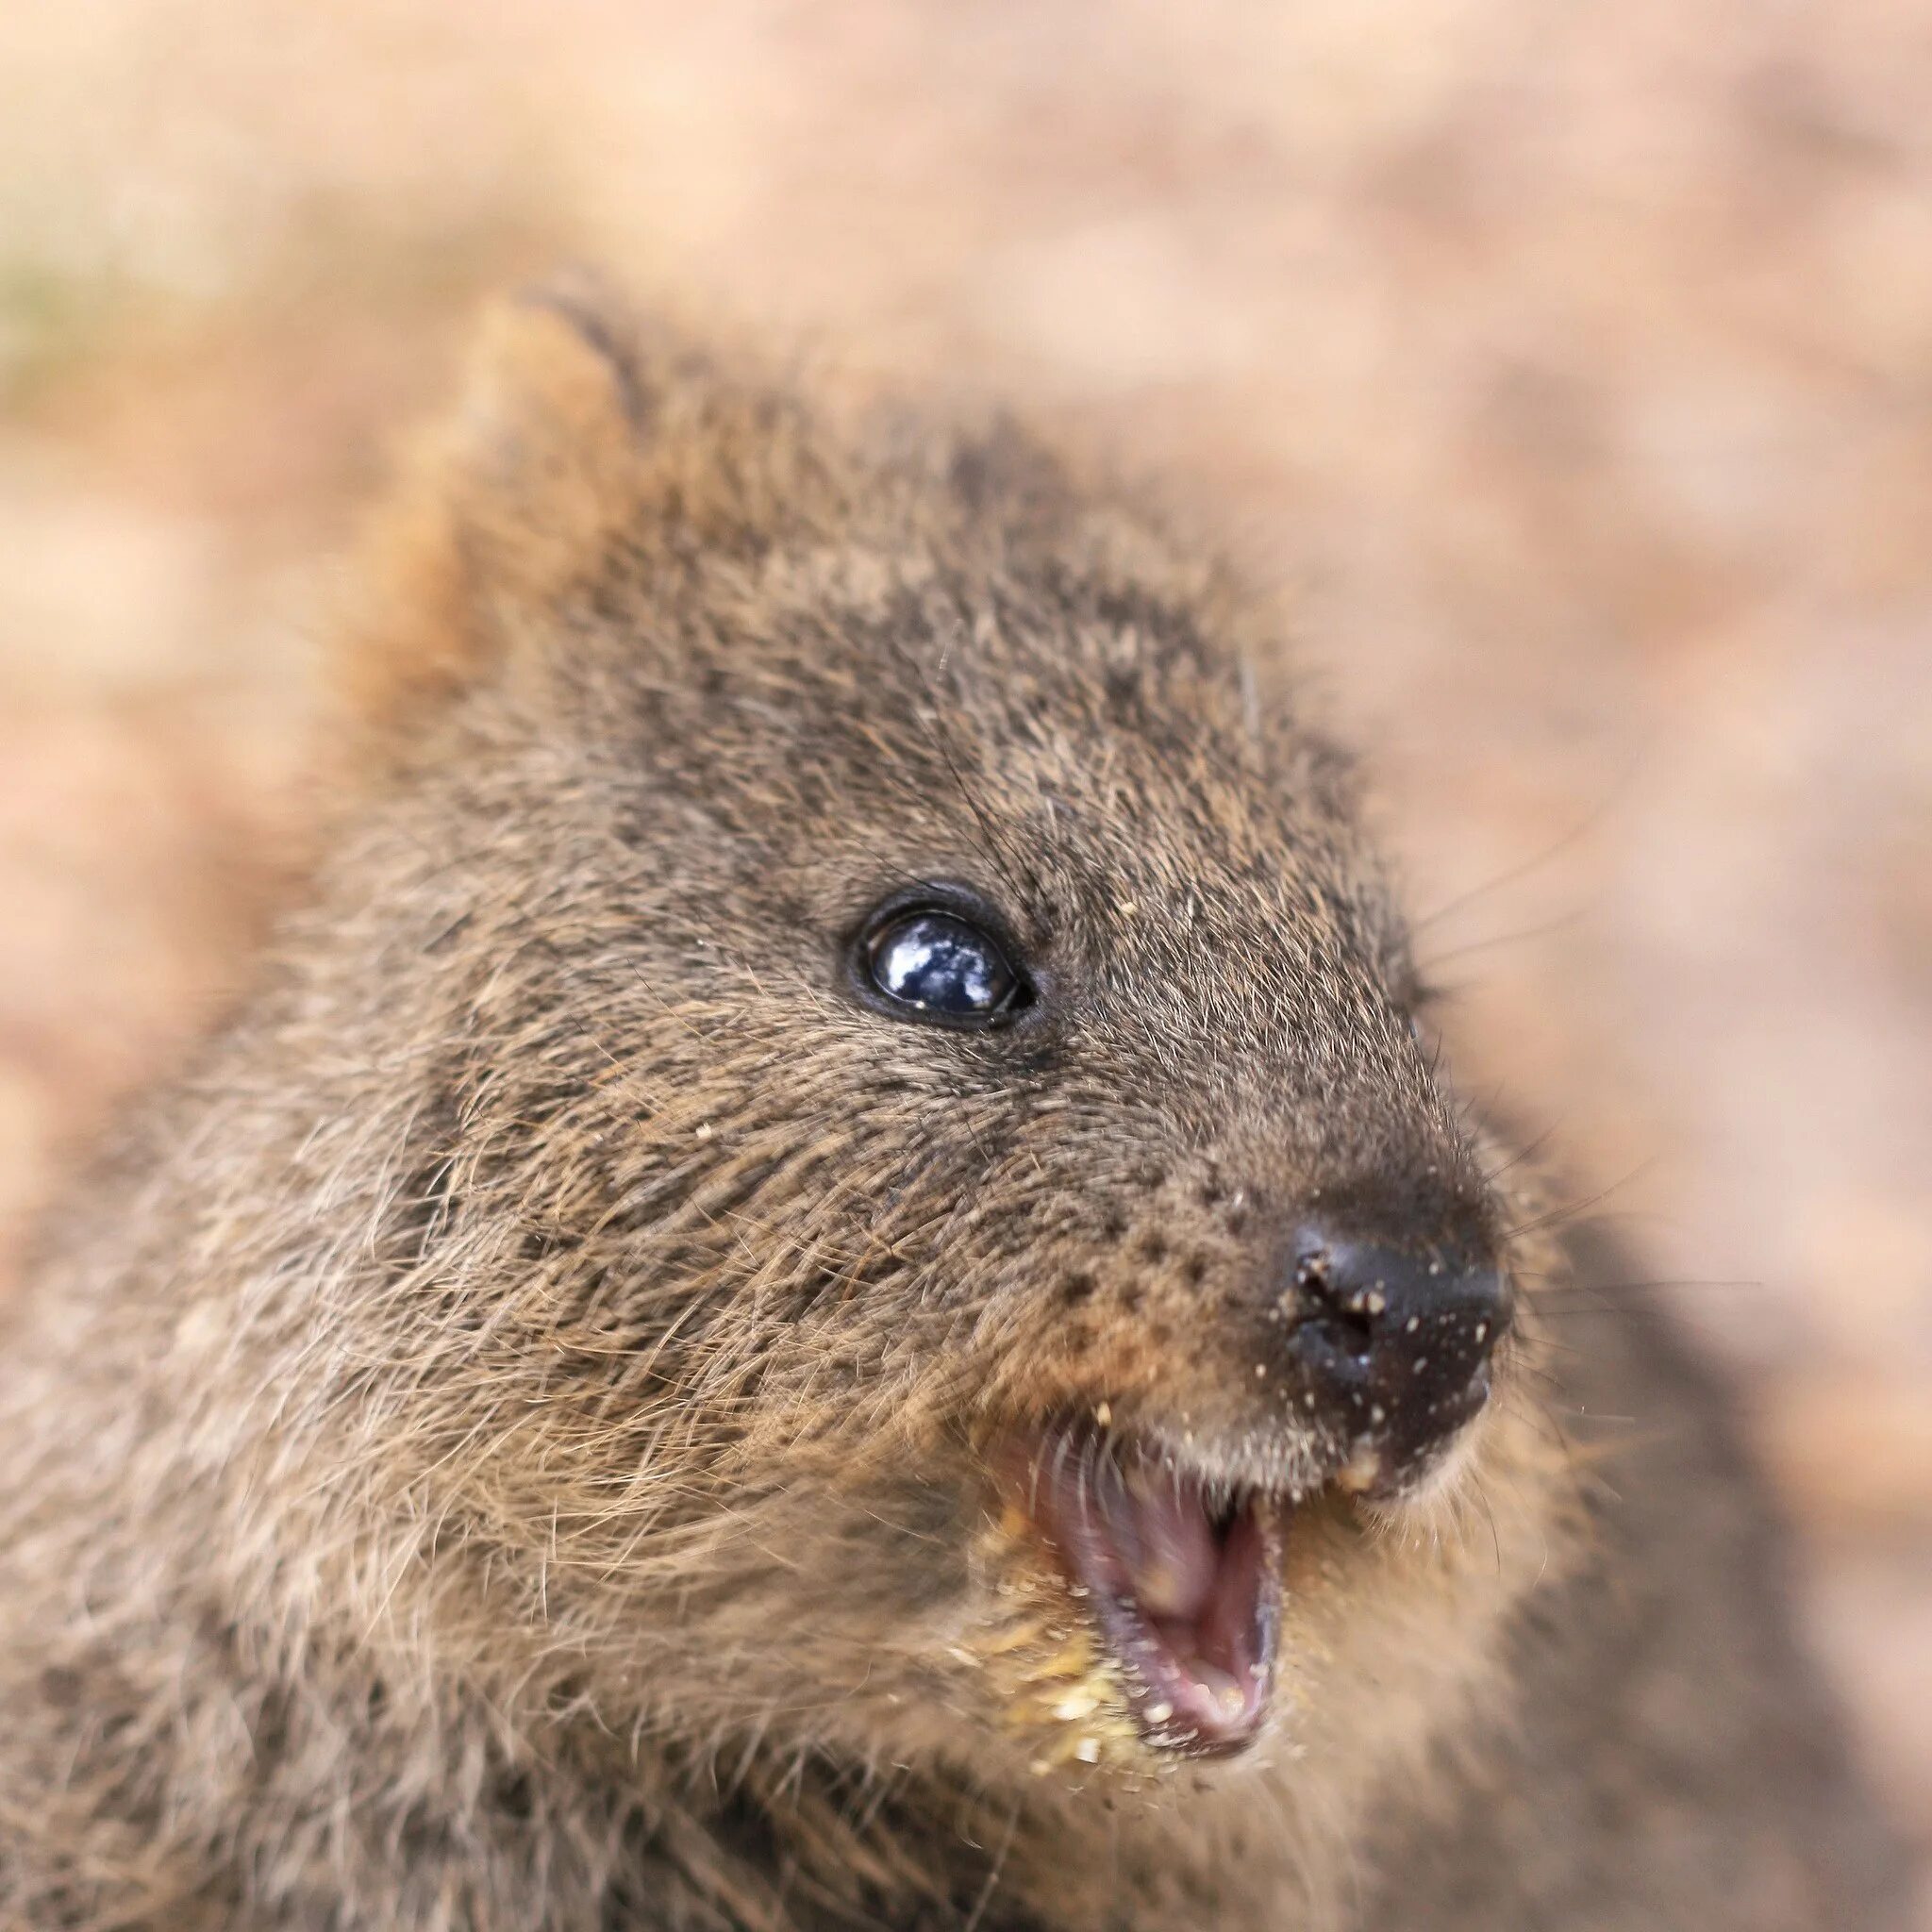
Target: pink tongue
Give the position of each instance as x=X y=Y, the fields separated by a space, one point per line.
x=1159 y=1529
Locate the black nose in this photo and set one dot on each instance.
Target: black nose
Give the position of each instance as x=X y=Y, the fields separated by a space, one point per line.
x=1390 y=1345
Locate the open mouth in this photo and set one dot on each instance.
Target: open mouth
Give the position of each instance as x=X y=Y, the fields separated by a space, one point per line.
x=1183 y=1581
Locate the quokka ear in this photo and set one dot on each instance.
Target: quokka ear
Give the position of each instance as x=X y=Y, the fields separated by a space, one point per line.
x=505 y=504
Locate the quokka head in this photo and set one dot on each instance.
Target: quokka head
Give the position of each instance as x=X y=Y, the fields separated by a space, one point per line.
x=926 y=1220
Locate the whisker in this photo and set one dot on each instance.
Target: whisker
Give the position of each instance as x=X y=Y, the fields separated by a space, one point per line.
x=1580 y=830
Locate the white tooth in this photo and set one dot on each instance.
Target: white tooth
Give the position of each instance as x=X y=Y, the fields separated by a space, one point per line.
x=1088 y=1750
x=1159 y=1713
x=1223 y=1688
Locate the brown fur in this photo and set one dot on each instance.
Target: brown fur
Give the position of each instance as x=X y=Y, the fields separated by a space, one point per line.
x=502 y=1441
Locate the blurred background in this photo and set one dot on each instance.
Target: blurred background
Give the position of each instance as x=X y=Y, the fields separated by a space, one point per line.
x=1569 y=367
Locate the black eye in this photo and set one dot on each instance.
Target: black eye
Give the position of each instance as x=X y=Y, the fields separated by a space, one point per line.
x=943 y=967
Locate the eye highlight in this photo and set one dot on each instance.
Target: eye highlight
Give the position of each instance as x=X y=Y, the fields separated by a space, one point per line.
x=936 y=964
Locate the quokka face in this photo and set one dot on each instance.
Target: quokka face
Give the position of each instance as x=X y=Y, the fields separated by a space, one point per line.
x=931 y=1212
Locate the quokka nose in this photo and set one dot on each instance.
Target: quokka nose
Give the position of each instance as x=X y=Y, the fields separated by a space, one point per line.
x=1391 y=1344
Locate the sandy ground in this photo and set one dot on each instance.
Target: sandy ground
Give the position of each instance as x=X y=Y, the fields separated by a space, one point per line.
x=1572 y=368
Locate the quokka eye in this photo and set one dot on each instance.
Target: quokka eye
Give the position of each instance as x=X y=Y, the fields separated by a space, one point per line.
x=936 y=964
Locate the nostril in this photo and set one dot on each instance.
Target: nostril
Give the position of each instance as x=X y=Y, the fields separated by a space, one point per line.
x=1339 y=1316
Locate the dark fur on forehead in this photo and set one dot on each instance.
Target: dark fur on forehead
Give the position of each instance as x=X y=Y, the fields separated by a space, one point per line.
x=599 y=467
